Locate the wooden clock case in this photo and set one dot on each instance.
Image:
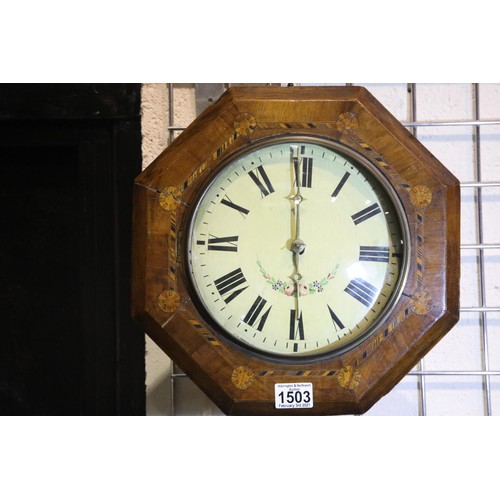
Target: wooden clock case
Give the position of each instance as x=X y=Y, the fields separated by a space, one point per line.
x=239 y=382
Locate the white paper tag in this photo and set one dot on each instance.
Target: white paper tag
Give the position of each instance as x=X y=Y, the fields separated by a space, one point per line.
x=292 y=396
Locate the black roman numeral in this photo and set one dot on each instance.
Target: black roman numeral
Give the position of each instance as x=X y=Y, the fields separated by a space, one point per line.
x=307 y=168
x=307 y=172
x=268 y=188
x=336 y=320
x=255 y=311
x=366 y=213
x=229 y=283
x=340 y=185
x=296 y=327
x=362 y=291
x=226 y=244
x=374 y=254
x=230 y=204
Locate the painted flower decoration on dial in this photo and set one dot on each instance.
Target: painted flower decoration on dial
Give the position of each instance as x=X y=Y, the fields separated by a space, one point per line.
x=287 y=285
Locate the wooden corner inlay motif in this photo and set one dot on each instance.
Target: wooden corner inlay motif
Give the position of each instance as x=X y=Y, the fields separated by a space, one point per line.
x=349 y=377
x=421 y=302
x=420 y=196
x=347 y=122
x=242 y=377
x=245 y=124
x=170 y=198
x=168 y=301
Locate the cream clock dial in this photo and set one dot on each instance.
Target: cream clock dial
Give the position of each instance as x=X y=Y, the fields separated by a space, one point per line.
x=297 y=249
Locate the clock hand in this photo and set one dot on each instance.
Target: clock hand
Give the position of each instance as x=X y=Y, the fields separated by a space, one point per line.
x=296 y=277
x=298 y=246
x=297 y=199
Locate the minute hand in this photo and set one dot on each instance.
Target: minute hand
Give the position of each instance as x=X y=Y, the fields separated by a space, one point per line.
x=298 y=195
x=297 y=246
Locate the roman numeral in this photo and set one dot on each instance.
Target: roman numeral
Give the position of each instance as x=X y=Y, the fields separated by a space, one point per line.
x=307 y=168
x=229 y=283
x=307 y=172
x=268 y=188
x=362 y=291
x=374 y=254
x=296 y=327
x=340 y=185
x=366 y=213
x=230 y=204
x=226 y=244
x=255 y=311
x=336 y=320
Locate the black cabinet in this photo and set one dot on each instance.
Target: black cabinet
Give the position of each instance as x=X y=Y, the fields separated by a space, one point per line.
x=68 y=156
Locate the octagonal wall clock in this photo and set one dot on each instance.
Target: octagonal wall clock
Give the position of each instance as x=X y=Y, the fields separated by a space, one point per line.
x=296 y=251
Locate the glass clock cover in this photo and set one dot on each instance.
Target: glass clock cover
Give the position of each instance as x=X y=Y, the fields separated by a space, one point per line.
x=297 y=248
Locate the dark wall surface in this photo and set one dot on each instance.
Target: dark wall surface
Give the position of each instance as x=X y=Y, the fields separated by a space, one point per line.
x=68 y=156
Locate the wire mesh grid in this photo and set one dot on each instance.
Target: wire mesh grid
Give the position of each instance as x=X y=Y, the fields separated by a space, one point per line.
x=472 y=252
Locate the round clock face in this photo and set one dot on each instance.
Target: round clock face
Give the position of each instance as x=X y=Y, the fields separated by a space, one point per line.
x=297 y=249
